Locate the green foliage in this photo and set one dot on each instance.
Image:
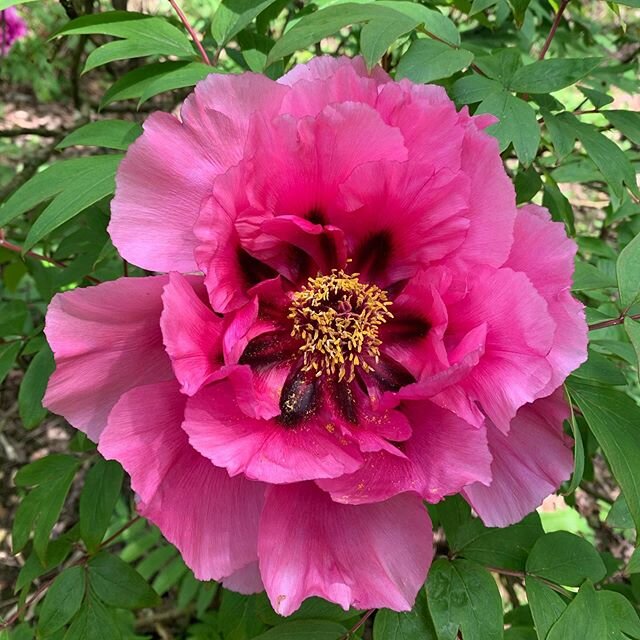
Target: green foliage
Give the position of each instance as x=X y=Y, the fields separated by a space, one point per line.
x=566 y=136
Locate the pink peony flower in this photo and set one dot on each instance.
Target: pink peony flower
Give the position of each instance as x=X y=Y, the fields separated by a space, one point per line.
x=373 y=324
x=12 y=28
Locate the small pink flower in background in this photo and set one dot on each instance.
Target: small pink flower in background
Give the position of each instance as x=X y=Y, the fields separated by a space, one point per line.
x=12 y=28
x=373 y=324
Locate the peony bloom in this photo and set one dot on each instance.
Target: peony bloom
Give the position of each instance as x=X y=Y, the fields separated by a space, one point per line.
x=12 y=28
x=355 y=318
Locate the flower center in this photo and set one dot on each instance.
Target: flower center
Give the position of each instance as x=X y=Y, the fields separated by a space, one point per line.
x=338 y=317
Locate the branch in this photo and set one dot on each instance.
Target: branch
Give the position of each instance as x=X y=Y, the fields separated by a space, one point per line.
x=612 y=322
x=5 y=244
x=358 y=624
x=552 y=31
x=192 y=33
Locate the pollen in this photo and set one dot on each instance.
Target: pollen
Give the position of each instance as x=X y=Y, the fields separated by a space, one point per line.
x=338 y=317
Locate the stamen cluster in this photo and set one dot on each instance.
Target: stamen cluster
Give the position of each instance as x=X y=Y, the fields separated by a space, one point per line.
x=338 y=318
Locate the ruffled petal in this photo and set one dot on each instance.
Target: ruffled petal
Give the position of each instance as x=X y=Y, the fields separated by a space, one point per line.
x=325 y=67
x=192 y=334
x=529 y=463
x=492 y=204
x=441 y=456
x=368 y=556
x=264 y=449
x=169 y=170
x=106 y=340
x=514 y=368
x=542 y=250
x=210 y=517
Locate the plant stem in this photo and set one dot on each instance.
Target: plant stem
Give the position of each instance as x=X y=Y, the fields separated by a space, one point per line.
x=37 y=256
x=192 y=33
x=552 y=31
x=612 y=322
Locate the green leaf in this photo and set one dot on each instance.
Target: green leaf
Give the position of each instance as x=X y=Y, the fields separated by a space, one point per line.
x=8 y=354
x=501 y=65
x=33 y=386
x=237 y=617
x=600 y=369
x=505 y=548
x=619 y=516
x=234 y=15
x=518 y=124
x=97 y=501
x=545 y=76
x=118 y=584
x=169 y=576
x=413 y=625
x=305 y=630
x=427 y=60
x=627 y=122
x=184 y=76
x=112 y=134
x=546 y=605
x=562 y=136
x=613 y=418
x=611 y=161
x=628 y=271
x=377 y=36
x=434 y=22
x=94 y=180
x=13 y=315
x=634 y=562
x=62 y=601
x=314 y=27
x=566 y=559
x=135 y=27
x=578 y=451
x=519 y=8
x=621 y=616
x=473 y=88
x=481 y=5
x=463 y=596
x=632 y=327
x=93 y=622
x=583 y=618
x=586 y=277
x=39 y=510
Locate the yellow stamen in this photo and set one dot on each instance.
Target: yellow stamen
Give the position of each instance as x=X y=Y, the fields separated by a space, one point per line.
x=338 y=318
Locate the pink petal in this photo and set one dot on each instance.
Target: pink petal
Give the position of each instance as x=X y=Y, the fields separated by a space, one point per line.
x=106 y=340
x=169 y=170
x=529 y=463
x=210 y=517
x=324 y=67
x=368 y=556
x=514 y=369
x=192 y=335
x=492 y=206
x=298 y=165
x=542 y=250
x=404 y=216
x=441 y=457
x=317 y=85
x=246 y=580
x=264 y=449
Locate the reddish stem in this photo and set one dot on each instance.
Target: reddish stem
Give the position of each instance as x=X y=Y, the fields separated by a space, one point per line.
x=37 y=256
x=554 y=28
x=612 y=322
x=192 y=33
x=358 y=624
